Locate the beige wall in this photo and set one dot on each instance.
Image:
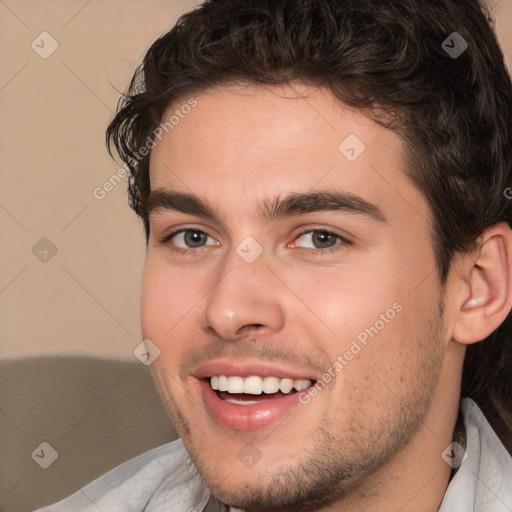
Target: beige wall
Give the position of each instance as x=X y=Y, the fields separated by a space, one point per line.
x=55 y=110
x=85 y=298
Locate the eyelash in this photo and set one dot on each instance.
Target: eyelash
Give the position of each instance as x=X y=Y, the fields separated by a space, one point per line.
x=165 y=240
x=343 y=242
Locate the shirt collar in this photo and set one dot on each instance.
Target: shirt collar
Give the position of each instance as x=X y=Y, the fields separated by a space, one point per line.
x=482 y=482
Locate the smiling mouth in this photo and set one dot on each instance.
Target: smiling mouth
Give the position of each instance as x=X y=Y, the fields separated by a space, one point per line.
x=255 y=389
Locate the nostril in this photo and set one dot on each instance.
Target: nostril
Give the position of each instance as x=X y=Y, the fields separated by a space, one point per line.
x=248 y=328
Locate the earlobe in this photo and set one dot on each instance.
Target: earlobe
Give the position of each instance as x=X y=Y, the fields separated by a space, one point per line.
x=488 y=277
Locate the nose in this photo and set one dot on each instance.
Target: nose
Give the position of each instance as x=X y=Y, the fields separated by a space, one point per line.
x=245 y=298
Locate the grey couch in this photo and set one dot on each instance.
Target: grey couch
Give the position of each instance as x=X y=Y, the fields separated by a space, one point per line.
x=93 y=412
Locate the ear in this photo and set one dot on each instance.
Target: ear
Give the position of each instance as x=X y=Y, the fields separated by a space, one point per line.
x=486 y=286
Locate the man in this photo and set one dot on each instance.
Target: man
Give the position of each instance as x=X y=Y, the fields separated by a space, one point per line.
x=323 y=185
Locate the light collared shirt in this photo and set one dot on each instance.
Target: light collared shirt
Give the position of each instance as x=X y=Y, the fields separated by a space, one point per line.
x=165 y=479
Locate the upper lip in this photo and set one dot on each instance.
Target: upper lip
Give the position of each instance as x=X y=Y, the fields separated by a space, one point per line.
x=245 y=369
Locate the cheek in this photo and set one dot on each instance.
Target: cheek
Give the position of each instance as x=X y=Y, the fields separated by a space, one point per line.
x=378 y=301
x=169 y=305
x=341 y=303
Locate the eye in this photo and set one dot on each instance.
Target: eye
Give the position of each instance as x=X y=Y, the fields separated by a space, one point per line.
x=318 y=239
x=190 y=239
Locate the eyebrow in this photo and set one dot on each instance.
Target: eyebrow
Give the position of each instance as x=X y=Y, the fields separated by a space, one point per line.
x=278 y=208
x=317 y=202
x=161 y=200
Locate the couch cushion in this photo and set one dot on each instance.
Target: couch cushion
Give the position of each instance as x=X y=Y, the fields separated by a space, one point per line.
x=94 y=412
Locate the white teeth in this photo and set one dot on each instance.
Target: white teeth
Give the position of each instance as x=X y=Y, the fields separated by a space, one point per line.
x=302 y=384
x=286 y=385
x=223 y=383
x=271 y=385
x=241 y=402
x=235 y=385
x=299 y=385
x=255 y=385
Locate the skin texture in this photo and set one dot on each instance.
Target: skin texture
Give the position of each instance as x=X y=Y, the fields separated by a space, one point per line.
x=372 y=438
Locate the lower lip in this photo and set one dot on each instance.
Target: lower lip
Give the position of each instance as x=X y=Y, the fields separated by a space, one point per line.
x=247 y=417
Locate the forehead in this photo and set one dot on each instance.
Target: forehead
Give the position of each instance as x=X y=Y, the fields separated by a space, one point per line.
x=254 y=143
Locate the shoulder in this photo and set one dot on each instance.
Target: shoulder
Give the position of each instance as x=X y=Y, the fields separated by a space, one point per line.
x=160 y=477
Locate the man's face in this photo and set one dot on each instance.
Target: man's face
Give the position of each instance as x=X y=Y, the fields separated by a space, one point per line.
x=297 y=254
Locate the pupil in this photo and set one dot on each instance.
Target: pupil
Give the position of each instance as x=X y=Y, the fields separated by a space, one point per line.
x=195 y=238
x=321 y=239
